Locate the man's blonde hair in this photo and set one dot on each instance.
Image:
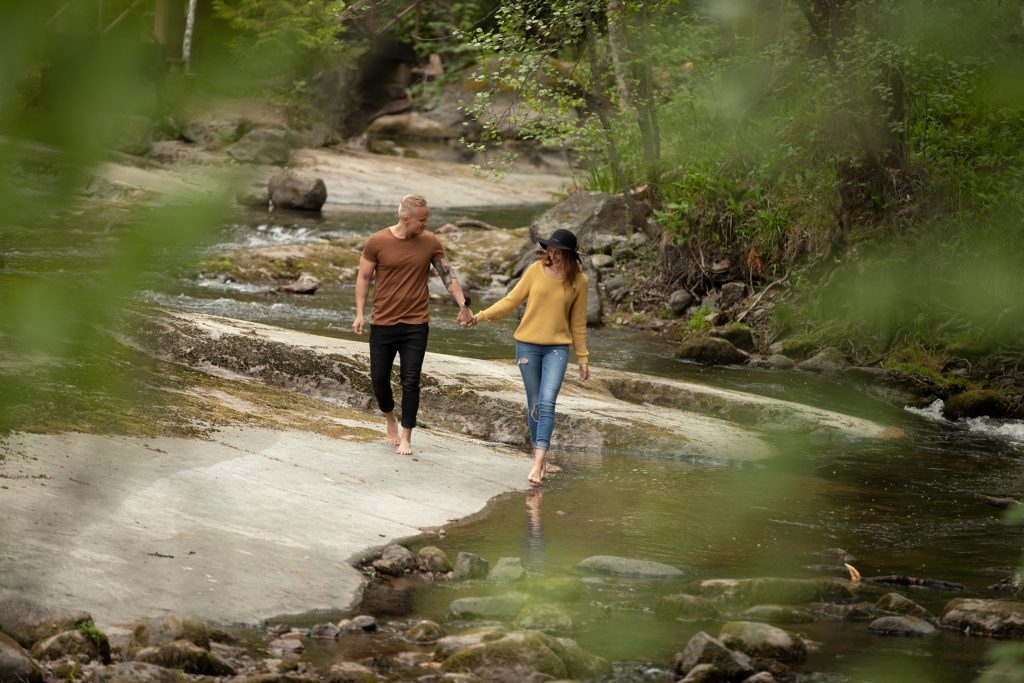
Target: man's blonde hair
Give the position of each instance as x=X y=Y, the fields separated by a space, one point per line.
x=410 y=202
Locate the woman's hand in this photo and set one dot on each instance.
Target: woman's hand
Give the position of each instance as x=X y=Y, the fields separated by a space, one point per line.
x=584 y=372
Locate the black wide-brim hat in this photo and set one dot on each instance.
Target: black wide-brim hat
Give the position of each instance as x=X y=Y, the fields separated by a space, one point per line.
x=562 y=239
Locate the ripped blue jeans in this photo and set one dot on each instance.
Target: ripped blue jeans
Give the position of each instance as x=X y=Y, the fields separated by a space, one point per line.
x=543 y=368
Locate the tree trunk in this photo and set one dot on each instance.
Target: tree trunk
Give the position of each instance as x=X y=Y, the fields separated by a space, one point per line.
x=617 y=50
x=186 y=45
x=600 y=108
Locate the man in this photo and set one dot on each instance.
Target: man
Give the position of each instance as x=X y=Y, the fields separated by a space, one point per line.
x=400 y=257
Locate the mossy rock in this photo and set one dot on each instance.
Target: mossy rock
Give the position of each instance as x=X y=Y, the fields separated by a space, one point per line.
x=975 y=403
x=709 y=350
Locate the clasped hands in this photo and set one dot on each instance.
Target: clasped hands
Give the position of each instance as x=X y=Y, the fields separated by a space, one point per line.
x=466 y=317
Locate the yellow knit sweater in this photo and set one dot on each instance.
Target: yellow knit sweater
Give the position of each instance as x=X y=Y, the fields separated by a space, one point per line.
x=555 y=313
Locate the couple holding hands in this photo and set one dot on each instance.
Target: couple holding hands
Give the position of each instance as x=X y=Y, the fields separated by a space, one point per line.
x=554 y=288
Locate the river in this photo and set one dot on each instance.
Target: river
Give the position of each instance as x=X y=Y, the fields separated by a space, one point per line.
x=902 y=506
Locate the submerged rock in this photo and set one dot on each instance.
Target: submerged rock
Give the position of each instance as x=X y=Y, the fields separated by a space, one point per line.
x=424 y=632
x=496 y=607
x=628 y=567
x=996 y=618
x=470 y=566
x=778 y=614
x=686 y=607
x=544 y=618
x=508 y=569
x=902 y=626
x=777 y=590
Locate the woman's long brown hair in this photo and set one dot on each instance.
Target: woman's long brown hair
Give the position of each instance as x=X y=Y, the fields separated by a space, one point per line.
x=570 y=266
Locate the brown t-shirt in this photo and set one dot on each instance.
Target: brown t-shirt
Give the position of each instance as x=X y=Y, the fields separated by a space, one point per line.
x=402 y=268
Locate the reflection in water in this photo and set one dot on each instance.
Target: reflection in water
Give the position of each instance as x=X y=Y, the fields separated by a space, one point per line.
x=534 y=538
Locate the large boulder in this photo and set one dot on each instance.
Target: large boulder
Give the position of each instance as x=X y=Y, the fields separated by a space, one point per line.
x=710 y=351
x=975 y=403
x=763 y=640
x=585 y=214
x=262 y=146
x=28 y=621
x=976 y=617
x=738 y=335
x=703 y=649
x=16 y=666
x=295 y=190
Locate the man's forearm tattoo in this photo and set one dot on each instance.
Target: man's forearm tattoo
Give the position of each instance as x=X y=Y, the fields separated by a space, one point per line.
x=444 y=271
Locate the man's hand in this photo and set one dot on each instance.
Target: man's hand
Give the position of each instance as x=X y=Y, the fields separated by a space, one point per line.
x=466 y=317
x=357 y=324
x=584 y=372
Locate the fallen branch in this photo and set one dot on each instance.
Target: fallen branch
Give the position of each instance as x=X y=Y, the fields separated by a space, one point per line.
x=764 y=291
x=474 y=223
x=1001 y=503
x=856 y=578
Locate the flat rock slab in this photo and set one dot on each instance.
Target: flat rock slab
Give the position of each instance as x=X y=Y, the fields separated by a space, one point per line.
x=242 y=527
x=628 y=567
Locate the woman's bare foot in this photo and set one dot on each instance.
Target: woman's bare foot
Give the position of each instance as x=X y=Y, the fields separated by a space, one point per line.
x=536 y=475
x=405 y=445
x=551 y=468
x=392 y=427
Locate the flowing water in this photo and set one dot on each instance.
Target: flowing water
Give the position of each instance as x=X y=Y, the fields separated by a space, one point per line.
x=900 y=506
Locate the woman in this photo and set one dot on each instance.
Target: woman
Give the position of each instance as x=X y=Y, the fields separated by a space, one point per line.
x=555 y=290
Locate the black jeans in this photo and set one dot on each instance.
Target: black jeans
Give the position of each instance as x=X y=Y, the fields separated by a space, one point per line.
x=410 y=343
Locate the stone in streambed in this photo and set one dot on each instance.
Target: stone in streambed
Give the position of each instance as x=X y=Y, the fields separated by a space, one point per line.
x=470 y=566
x=433 y=559
x=686 y=607
x=628 y=567
x=185 y=656
x=777 y=590
x=508 y=569
x=703 y=649
x=28 y=621
x=73 y=643
x=763 y=640
x=496 y=607
x=395 y=561
x=710 y=351
x=15 y=663
x=902 y=626
x=993 y=618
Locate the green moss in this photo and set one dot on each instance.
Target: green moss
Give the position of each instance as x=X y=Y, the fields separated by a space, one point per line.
x=697 y=322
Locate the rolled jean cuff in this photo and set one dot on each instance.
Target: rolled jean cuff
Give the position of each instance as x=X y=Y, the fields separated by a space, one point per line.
x=542 y=445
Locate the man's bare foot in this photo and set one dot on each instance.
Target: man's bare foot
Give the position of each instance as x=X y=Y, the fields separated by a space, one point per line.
x=392 y=427
x=405 y=445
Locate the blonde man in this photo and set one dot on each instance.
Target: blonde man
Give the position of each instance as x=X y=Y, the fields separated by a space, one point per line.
x=399 y=257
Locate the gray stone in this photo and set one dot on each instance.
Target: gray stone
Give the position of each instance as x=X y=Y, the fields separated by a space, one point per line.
x=710 y=351
x=586 y=214
x=74 y=643
x=167 y=629
x=136 y=672
x=304 y=284
x=324 y=632
x=602 y=261
x=826 y=361
x=977 y=617
x=410 y=125
x=424 y=632
x=603 y=243
x=628 y=567
x=363 y=622
x=507 y=569
x=350 y=672
x=298 y=191
x=449 y=645
x=896 y=603
x=544 y=617
x=703 y=649
x=395 y=561
x=680 y=300
x=185 y=656
x=902 y=626
x=686 y=607
x=495 y=607
x=732 y=294
x=255 y=197
x=16 y=666
x=28 y=621
x=778 y=614
x=262 y=146
x=286 y=647
x=739 y=336
x=433 y=559
x=780 y=362
x=470 y=566
x=763 y=640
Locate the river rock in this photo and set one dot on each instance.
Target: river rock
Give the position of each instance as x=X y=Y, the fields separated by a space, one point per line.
x=861 y=611
x=686 y=607
x=710 y=351
x=410 y=126
x=495 y=607
x=703 y=649
x=449 y=645
x=975 y=403
x=254 y=197
x=295 y=190
x=76 y=644
x=544 y=617
x=679 y=301
x=285 y=647
x=602 y=261
x=395 y=561
x=628 y=567
x=826 y=361
x=777 y=590
x=763 y=640
x=364 y=623
x=432 y=559
x=977 y=617
x=304 y=284
x=350 y=672
x=28 y=621
x=517 y=655
x=186 y=656
x=732 y=294
x=262 y=146
x=778 y=614
x=586 y=214
x=780 y=362
x=16 y=666
x=424 y=632
x=902 y=626
x=324 y=632
x=739 y=336
x=470 y=566
x=167 y=629
x=507 y=569
x=898 y=604
x=136 y=672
